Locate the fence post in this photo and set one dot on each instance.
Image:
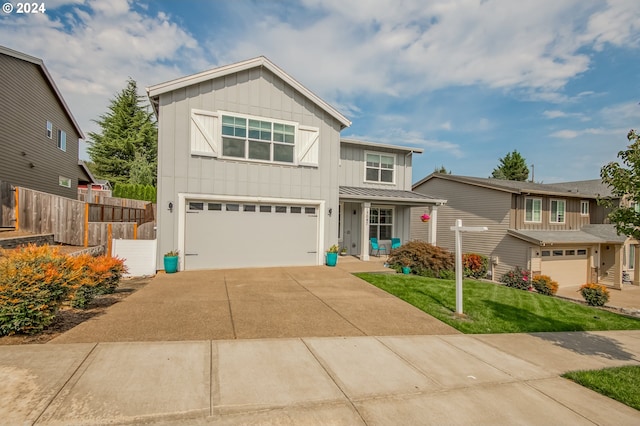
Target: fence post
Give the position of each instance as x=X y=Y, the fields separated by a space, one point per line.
x=135 y=231
x=109 y=239
x=86 y=224
x=17 y=209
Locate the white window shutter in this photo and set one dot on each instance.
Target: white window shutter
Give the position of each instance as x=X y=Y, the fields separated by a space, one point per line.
x=204 y=128
x=308 y=146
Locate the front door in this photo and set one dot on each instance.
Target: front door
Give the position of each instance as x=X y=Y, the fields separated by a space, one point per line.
x=351 y=233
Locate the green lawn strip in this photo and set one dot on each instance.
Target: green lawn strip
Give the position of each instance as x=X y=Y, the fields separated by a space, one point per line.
x=619 y=383
x=492 y=308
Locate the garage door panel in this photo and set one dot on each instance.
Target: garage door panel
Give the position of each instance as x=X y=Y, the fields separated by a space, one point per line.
x=232 y=239
x=566 y=267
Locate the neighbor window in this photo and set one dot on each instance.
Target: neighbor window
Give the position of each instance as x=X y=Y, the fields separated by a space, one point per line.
x=381 y=223
x=63 y=181
x=533 y=210
x=253 y=139
x=632 y=257
x=379 y=167
x=49 y=130
x=584 y=207
x=557 y=211
x=62 y=140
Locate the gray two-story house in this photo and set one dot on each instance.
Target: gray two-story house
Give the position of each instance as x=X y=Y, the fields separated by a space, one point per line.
x=252 y=172
x=39 y=136
x=556 y=229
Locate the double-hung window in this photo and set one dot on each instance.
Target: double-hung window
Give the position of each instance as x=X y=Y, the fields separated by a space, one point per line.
x=379 y=167
x=49 y=130
x=533 y=210
x=584 y=207
x=557 y=211
x=62 y=140
x=253 y=139
x=381 y=223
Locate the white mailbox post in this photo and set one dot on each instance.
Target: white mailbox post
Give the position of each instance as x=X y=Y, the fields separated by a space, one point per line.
x=458 y=228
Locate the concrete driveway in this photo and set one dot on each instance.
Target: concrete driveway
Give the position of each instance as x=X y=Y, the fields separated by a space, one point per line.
x=315 y=301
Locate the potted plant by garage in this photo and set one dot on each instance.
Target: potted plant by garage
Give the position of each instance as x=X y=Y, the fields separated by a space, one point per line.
x=406 y=266
x=171 y=261
x=332 y=255
x=343 y=251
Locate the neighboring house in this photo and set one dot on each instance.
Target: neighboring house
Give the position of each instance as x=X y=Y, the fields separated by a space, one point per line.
x=554 y=229
x=38 y=134
x=252 y=172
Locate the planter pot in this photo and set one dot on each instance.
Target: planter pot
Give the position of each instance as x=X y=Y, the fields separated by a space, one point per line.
x=171 y=264
x=425 y=220
x=332 y=259
x=406 y=270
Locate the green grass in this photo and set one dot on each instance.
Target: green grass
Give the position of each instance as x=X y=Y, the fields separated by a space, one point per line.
x=492 y=308
x=619 y=383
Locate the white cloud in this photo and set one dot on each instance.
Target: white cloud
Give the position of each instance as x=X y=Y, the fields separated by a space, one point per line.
x=552 y=114
x=572 y=134
x=403 y=137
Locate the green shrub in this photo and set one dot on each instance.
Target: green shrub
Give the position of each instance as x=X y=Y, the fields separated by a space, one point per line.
x=475 y=265
x=544 y=285
x=517 y=278
x=422 y=257
x=595 y=294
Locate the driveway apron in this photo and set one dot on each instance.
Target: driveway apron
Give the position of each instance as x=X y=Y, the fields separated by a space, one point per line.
x=316 y=301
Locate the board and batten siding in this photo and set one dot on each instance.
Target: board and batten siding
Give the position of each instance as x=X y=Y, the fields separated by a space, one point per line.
x=476 y=206
x=29 y=158
x=352 y=167
x=573 y=218
x=256 y=92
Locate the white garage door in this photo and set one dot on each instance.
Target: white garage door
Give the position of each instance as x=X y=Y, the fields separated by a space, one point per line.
x=233 y=235
x=567 y=266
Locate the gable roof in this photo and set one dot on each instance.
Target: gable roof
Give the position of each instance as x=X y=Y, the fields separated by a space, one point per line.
x=588 y=234
x=40 y=63
x=375 y=145
x=577 y=189
x=155 y=91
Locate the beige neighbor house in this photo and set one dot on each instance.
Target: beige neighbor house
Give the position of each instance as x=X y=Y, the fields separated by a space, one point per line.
x=553 y=229
x=252 y=172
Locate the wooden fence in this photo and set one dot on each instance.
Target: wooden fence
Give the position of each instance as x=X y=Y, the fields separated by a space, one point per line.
x=7 y=204
x=76 y=222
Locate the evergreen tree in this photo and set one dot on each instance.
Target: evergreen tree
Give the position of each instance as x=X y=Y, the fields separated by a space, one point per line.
x=127 y=129
x=442 y=169
x=512 y=167
x=624 y=181
x=142 y=172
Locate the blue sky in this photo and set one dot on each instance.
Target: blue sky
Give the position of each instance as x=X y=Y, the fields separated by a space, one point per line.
x=466 y=80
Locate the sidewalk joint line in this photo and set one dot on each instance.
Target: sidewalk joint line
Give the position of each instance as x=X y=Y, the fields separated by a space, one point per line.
x=233 y=325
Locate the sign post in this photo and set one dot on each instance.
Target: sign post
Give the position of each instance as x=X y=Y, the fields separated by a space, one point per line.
x=458 y=228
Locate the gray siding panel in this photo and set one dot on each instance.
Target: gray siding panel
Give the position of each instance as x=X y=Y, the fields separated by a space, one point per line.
x=352 y=167
x=27 y=102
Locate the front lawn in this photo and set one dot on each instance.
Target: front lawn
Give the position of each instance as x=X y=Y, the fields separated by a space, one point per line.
x=619 y=383
x=492 y=308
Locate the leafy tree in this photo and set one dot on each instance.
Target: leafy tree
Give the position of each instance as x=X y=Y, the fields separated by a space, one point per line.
x=442 y=169
x=142 y=171
x=128 y=129
x=624 y=181
x=512 y=167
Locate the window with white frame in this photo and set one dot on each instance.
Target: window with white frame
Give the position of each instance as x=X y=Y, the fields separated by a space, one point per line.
x=49 y=129
x=381 y=223
x=557 y=211
x=584 y=207
x=533 y=210
x=631 y=264
x=62 y=140
x=379 y=167
x=257 y=139
x=64 y=181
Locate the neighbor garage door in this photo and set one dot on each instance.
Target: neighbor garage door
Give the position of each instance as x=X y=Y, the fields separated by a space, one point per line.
x=567 y=266
x=232 y=235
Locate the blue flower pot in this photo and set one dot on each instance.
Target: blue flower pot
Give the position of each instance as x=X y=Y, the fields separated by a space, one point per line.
x=171 y=264
x=332 y=259
x=406 y=270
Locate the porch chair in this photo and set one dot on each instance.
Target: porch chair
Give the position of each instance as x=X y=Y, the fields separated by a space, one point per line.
x=377 y=247
x=395 y=243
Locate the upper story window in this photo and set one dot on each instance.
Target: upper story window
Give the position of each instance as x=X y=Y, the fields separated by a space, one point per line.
x=557 y=211
x=379 y=167
x=251 y=139
x=533 y=210
x=584 y=207
x=49 y=130
x=64 y=181
x=62 y=140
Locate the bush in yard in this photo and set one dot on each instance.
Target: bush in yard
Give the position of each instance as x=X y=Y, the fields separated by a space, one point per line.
x=33 y=285
x=595 y=294
x=517 y=278
x=475 y=265
x=544 y=285
x=423 y=258
x=100 y=275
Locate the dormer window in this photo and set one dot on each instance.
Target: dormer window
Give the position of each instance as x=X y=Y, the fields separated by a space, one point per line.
x=379 y=168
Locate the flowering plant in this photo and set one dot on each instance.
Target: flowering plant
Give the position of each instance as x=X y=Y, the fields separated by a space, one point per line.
x=425 y=217
x=517 y=278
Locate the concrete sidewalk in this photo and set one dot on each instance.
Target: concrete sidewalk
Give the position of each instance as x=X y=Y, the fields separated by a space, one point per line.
x=452 y=379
